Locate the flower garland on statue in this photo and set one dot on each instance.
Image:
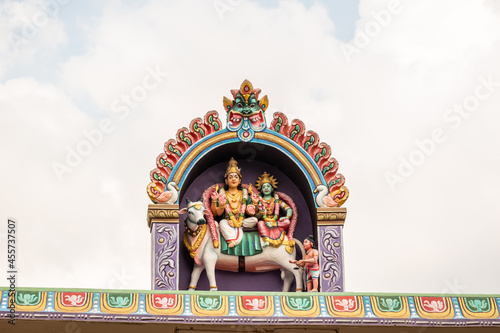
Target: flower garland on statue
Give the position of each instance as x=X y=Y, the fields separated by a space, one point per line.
x=210 y=217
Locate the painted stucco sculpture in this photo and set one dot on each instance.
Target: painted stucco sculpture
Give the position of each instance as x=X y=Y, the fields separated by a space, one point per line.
x=207 y=257
x=309 y=262
x=245 y=114
x=230 y=201
x=272 y=226
x=302 y=156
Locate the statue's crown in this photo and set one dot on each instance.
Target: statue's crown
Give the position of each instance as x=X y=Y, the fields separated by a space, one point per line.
x=266 y=178
x=232 y=167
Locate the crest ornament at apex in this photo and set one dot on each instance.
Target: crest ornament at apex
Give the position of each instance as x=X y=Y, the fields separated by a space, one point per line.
x=245 y=113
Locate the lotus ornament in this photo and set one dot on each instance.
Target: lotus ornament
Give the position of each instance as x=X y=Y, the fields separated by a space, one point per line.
x=165 y=302
x=478 y=305
x=300 y=303
x=209 y=303
x=74 y=299
x=389 y=303
x=256 y=304
x=27 y=299
x=436 y=306
x=118 y=301
x=346 y=304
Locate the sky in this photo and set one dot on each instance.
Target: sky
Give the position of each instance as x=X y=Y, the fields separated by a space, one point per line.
x=406 y=92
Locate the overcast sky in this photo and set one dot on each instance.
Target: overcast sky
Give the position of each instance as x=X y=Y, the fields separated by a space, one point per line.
x=407 y=93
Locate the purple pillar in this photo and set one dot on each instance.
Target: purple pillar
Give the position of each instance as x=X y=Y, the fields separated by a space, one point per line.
x=163 y=221
x=330 y=225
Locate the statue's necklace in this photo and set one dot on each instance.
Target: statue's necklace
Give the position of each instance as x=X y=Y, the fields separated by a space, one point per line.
x=269 y=202
x=234 y=197
x=234 y=201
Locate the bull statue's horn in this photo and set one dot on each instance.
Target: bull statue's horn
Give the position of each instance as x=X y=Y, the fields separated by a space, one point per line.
x=188 y=201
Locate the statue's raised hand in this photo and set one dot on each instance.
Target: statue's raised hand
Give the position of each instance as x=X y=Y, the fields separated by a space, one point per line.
x=251 y=209
x=214 y=195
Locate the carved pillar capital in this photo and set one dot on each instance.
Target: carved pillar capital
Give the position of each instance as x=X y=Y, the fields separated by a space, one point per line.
x=331 y=216
x=163 y=213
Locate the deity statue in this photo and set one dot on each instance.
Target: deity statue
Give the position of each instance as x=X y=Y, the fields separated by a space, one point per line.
x=310 y=262
x=272 y=227
x=232 y=202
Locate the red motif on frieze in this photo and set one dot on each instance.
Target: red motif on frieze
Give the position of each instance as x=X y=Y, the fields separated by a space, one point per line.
x=254 y=303
x=164 y=301
x=433 y=304
x=345 y=303
x=73 y=299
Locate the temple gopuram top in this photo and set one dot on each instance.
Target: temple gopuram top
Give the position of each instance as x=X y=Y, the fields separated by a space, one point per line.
x=246 y=227
x=307 y=202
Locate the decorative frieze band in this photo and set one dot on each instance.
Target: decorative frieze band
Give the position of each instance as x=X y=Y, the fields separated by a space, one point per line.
x=220 y=308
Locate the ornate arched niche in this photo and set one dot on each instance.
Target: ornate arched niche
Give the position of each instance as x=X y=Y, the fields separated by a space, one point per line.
x=197 y=159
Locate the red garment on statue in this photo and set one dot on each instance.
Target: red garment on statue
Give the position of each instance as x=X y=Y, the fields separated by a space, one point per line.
x=273 y=232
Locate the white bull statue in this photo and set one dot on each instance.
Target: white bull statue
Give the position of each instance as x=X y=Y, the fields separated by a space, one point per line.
x=198 y=241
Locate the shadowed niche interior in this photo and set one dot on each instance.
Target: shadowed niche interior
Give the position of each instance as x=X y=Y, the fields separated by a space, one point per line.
x=253 y=159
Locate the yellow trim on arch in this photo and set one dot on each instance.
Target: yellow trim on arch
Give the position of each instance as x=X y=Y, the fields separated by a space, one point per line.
x=197 y=150
x=258 y=135
x=295 y=152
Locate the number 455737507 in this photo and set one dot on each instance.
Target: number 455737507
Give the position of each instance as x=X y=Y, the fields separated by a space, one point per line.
x=11 y=241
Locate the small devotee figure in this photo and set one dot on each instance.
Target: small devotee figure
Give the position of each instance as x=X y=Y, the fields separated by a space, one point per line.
x=232 y=201
x=310 y=262
x=272 y=227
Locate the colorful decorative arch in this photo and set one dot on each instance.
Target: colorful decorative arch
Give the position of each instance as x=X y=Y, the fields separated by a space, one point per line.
x=304 y=148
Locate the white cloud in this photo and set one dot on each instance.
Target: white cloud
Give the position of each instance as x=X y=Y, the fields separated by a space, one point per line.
x=29 y=29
